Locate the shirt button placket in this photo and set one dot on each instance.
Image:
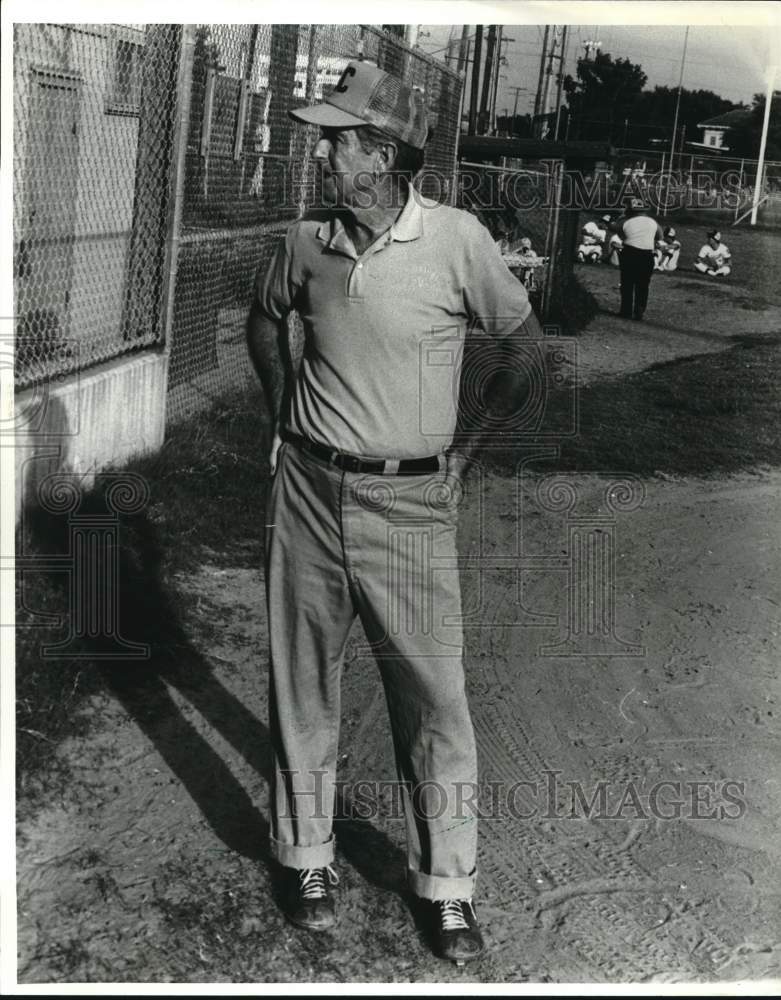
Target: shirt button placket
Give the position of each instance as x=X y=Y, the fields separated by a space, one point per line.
x=356 y=282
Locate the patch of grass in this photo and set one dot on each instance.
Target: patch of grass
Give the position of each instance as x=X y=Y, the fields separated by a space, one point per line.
x=49 y=692
x=208 y=484
x=705 y=415
x=754 y=253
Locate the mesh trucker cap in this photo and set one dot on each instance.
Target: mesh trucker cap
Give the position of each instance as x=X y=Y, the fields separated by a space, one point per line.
x=366 y=95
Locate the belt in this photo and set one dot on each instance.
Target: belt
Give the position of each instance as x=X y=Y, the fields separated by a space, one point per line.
x=351 y=463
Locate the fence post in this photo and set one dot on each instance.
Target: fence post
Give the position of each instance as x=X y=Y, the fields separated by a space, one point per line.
x=304 y=157
x=281 y=81
x=183 y=93
x=740 y=191
x=551 y=239
x=148 y=250
x=456 y=171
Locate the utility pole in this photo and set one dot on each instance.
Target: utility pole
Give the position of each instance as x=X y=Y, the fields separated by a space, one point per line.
x=538 y=97
x=495 y=81
x=562 y=57
x=462 y=47
x=411 y=34
x=557 y=40
x=518 y=90
x=548 y=74
x=449 y=55
x=500 y=61
x=482 y=118
x=474 y=91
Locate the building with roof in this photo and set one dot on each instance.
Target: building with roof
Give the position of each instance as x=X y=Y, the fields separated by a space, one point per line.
x=715 y=136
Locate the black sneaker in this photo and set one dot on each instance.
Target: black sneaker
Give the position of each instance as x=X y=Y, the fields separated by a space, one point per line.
x=456 y=934
x=309 y=902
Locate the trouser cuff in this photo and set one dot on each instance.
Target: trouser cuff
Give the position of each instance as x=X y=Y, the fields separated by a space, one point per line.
x=435 y=887
x=293 y=856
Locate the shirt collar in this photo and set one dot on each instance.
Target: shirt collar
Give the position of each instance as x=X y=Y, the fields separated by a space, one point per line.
x=408 y=226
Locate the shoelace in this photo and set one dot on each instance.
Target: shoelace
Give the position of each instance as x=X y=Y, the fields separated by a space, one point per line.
x=313 y=881
x=453 y=915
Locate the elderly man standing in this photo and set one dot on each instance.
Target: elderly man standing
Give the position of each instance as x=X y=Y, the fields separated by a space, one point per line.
x=367 y=460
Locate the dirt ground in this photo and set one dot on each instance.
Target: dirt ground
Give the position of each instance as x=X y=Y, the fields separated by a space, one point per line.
x=150 y=864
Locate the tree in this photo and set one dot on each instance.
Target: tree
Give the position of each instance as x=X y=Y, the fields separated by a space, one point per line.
x=744 y=138
x=601 y=95
x=653 y=113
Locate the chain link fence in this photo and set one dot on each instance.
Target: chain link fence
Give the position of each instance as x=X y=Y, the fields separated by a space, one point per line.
x=248 y=175
x=126 y=234
x=94 y=107
x=720 y=186
x=526 y=203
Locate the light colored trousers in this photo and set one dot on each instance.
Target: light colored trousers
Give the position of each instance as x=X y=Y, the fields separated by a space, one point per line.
x=341 y=544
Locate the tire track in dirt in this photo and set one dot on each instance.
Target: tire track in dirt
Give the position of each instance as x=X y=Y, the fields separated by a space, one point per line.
x=509 y=754
x=596 y=924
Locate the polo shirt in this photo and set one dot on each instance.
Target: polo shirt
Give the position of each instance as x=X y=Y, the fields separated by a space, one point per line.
x=640 y=231
x=384 y=330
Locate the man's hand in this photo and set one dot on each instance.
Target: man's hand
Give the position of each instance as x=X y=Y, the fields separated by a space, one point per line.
x=452 y=491
x=276 y=441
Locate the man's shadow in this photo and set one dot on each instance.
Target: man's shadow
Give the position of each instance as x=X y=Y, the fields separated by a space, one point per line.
x=147 y=614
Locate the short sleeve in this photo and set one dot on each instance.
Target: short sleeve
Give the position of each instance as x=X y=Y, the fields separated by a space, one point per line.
x=494 y=299
x=275 y=290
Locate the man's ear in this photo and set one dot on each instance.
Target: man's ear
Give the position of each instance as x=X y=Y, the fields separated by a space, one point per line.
x=388 y=152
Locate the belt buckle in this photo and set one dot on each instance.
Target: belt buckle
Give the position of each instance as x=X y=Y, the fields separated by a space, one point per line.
x=350 y=463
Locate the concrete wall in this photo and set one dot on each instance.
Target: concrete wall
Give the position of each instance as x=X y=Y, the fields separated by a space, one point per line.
x=88 y=421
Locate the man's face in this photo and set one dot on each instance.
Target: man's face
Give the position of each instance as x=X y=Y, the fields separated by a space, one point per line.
x=713 y=242
x=348 y=172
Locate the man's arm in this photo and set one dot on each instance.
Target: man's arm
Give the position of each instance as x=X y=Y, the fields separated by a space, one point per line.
x=505 y=394
x=275 y=357
x=265 y=340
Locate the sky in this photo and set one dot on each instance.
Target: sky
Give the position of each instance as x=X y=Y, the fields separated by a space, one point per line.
x=729 y=60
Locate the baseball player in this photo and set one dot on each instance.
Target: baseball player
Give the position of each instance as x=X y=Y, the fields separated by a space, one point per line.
x=593 y=240
x=714 y=257
x=371 y=448
x=639 y=234
x=614 y=250
x=667 y=251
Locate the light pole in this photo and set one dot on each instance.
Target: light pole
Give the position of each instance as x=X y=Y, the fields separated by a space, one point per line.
x=675 y=121
x=591 y=45
x=763 y=143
